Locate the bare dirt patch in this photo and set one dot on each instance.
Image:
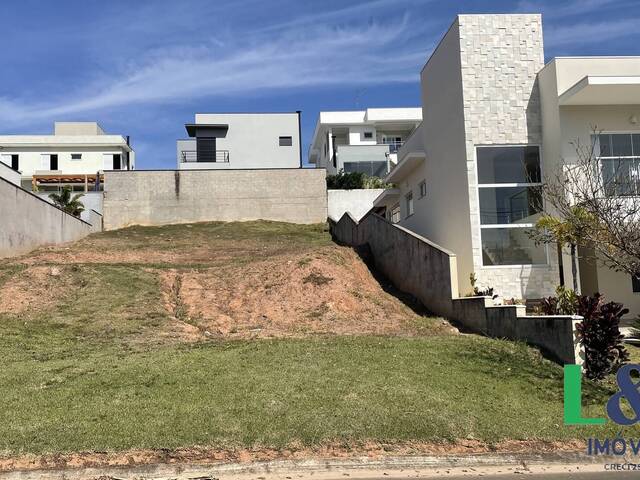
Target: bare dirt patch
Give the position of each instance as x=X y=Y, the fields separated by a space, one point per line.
x=33 y=289
x=207 y=455
x=329 y=291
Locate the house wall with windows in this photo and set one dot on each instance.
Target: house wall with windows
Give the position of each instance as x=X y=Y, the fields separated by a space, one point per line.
x=361 y=141
x=75 y=148
x=481 y=112
x=574 y=109
x=243 y=141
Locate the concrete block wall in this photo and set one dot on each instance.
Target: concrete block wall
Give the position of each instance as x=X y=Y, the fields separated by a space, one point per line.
x=411 y=262
x=28 y=222
x=428 y=272
x=168 y=196
x=500 y=57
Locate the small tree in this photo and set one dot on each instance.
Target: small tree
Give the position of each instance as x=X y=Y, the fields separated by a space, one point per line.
x=66 y=202
x=569 y=232
x=600 y=202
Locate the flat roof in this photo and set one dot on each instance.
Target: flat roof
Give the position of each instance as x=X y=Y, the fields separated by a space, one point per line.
x=603 y=90
x=191 y=127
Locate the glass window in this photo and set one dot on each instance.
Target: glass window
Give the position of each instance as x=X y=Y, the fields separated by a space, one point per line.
x=395 y=213
x=368 y=134
x=635 y=283
x=409 y=199
x=508 y=164
x=373 y=169
x=619 y=155
x=423 y=188
x=76 y=156
x=506 y=205
x=519 y=207
x=510 y=246
x=621 y=145
x=285 y=141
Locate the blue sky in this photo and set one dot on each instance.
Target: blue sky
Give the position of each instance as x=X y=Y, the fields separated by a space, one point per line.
x=143 y=68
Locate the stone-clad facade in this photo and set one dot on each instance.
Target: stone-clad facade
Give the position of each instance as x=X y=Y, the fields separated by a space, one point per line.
x=500 y=57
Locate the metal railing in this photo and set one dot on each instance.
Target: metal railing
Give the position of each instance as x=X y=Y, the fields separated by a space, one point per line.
x=188 y=156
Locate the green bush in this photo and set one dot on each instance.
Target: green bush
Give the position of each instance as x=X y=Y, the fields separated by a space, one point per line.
x=354 y=180
x=599 y=330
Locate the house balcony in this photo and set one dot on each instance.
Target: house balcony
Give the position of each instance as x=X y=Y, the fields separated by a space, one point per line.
x=192 y=156
x=374 y=160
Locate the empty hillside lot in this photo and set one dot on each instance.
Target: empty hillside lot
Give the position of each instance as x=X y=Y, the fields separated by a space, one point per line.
x=260 y=335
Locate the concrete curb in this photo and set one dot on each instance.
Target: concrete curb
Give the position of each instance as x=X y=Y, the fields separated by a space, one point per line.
x=360 y=467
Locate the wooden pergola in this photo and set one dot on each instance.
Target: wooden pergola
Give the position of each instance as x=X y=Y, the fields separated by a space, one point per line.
x=75 y=179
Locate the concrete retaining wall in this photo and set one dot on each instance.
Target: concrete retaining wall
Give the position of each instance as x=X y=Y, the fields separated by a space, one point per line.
x=9 y=174
x=27 y=222
x=166 y=197
x=412 y=263
x=428 y=272
x=356 y=202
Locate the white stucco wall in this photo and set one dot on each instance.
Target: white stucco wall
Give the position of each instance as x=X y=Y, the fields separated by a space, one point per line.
x=253 y=141
x=356 y=202
x=567 y=124
x=9 y=173
x=443 y=214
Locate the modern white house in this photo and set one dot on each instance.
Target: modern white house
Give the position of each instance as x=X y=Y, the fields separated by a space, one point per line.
x=495 y=119
x=363 y=140
x=241 y=141
x=74 y=155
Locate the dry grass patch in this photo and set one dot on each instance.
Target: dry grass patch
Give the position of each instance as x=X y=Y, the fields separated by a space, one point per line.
x=329 y=292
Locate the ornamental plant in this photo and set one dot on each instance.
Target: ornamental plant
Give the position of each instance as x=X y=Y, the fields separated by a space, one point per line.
x=600 y=335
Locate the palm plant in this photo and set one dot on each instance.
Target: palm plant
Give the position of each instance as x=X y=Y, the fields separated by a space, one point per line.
x=66 y=202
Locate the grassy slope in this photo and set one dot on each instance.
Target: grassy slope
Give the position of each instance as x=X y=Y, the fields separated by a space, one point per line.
x=86 y=375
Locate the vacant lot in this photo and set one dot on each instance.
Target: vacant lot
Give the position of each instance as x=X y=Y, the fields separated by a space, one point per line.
x=259 y=335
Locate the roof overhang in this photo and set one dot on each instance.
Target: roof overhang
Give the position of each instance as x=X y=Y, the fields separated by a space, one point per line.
x=405 y=165
x=194 y=129
x=387 y=196
x=603 y=90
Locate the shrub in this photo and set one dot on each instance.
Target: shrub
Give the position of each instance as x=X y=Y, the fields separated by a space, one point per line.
x=600 y=334
x=479 y=291
x=599 y=331
x=564 y=303
x=354 y=180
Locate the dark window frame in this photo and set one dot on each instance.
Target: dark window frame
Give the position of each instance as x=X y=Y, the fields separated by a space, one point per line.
x=530 y=176
x=285 y=141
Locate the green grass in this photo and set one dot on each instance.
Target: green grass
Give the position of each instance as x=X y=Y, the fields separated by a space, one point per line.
x=273 y=393
x=92 y=371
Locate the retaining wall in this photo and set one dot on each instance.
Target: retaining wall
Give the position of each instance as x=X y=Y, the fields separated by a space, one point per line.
x=428 y=272
x=27 y=222
x=170 y=196
x=10 y=174
x=357 y=202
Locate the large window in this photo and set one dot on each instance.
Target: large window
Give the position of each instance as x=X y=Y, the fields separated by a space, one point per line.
x=510 y=197
x=409 y=201
x=619 y=155
x=635 y=284
x=373 y=169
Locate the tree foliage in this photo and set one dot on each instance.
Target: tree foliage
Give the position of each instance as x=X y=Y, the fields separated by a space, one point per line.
x=597 y=209
x=67 y=202
x=354 y=180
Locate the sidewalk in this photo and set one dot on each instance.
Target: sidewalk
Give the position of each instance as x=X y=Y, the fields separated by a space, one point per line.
x=328 y=469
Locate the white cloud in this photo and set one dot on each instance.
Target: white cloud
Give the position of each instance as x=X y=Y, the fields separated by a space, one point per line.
x=301 y=54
